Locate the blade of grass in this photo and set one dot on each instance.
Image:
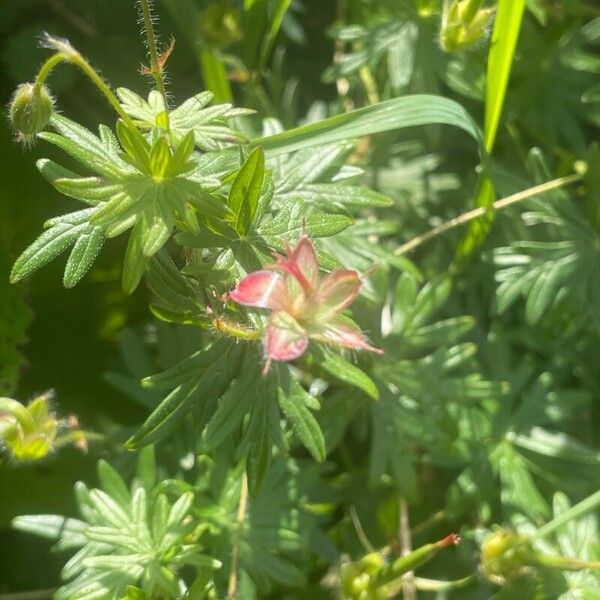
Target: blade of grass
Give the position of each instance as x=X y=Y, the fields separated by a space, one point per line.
x=408 y=111
x=505 y=35
x=273 y=29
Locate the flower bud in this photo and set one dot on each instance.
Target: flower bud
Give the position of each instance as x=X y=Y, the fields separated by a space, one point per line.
x=427 y=8
x=27 y=432
x=464 y=23
x=505 y=554
x=220 y=24
x=31 y=109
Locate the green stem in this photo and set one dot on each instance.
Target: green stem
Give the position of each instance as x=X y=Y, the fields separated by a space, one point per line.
x=47 y=67
x=73 y=57
x=482 y=210
x=411 y=561
x=155 y=68
x=232 y=587
x=590 y=503
x=565 y=563
x=433 y=585
x=75 y=436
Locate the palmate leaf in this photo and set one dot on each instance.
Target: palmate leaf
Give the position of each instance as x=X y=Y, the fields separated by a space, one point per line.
x=63 y=232
x=140 y=185
x=128 y=537
x=317 y=177
x=560 y=266
x=292 y=400
x=208 y=123
x=202 y=377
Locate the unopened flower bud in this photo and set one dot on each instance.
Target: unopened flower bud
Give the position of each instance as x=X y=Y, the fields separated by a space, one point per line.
x=464 y=23
x=505 y=554
x=27 y=432
x=427 y=8
x=31 y=109
x=220 y=24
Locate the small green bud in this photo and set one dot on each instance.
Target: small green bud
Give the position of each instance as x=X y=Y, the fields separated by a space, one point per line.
x=221 y=24
x=427 y=8
x=464 y=23
x=27 y=432
x=505 y=554
x=31 y=109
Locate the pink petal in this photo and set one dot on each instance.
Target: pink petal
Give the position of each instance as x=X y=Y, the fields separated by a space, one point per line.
x=263 y=289
x=336 y=292
x=286 y=339
x=342 y=334
x=302 y=264
x=305 y=257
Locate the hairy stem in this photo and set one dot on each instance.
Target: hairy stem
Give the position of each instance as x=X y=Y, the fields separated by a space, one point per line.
x=482 y=210
x=155 y=67
x=66 y=53
x=232 y=588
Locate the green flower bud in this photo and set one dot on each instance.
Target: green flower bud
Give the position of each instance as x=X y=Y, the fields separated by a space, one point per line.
x=27 y=432
x=427 y=8
x=31 y=109
x=220 y=24
x=505 y=554
x=464 y=23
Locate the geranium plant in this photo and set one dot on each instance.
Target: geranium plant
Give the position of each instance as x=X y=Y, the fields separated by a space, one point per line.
x=319 y=407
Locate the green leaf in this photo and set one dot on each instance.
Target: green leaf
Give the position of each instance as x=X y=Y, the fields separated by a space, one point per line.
x=135 y=262
x=398 y=113
x=190 y=368
x=112 y=483
x=341 y=369
x=245 y=191
x=232 y=408
x=278 y=12
x=84 y=253
x=259 y=453
x=337 y=195
x=256 y=15
x=505 y=34
x=49 y=526
x=290 y=222
x=292 y=401
x=518 y=488
x=214 y=74
x=146 y=467
x=165 y=417
x=62 y=233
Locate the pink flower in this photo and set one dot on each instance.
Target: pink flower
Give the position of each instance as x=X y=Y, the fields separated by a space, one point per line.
x=303 y=305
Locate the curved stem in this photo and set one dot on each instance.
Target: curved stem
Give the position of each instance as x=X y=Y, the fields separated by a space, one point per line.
x=482 y=210
x=73 y=57
x=46 y=69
